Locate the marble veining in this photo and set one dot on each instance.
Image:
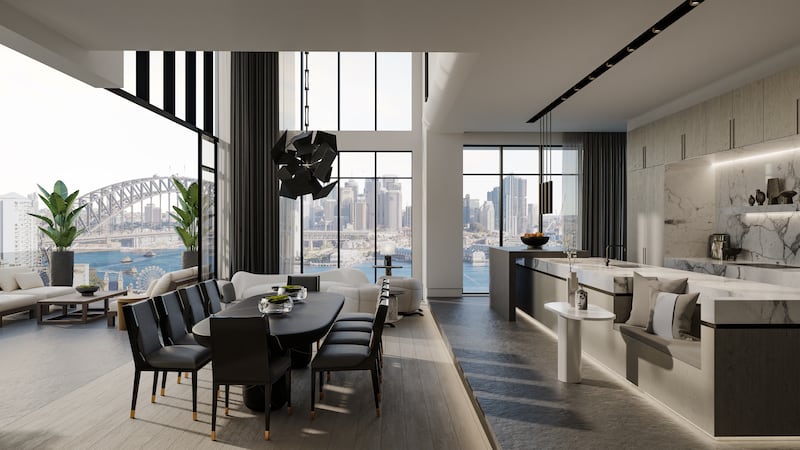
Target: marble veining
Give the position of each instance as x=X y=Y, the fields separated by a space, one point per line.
x=688 y=210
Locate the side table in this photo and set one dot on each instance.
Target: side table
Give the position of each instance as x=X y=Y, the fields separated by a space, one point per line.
x=569 y=336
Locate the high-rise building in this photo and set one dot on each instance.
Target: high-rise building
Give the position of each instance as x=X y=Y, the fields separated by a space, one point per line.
x=152 y=214
x=393 y=208
x=487 y=216
x=360 y=210
x=18 y=231
x=515 y=203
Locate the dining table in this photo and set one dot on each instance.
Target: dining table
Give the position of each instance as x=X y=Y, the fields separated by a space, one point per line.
x=308 y=322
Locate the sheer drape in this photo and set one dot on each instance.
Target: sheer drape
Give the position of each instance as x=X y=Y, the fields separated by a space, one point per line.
x=603 y=181
x=254 y=182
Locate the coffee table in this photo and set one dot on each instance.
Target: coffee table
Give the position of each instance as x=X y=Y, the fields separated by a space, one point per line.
x=75 y=307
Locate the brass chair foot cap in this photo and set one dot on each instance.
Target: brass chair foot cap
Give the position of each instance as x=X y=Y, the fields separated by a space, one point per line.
x=152 y=399
x=378 y=412
x=194 y=416
x=162 y=392
x=312 y=415
x=226 y=412
x=289 y=410
x=133 y=414
x=213 y=435
x=179 y=380
x=266 y=435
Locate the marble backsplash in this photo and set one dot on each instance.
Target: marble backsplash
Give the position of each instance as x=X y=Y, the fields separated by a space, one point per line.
x=763 y=236
x=688 y=209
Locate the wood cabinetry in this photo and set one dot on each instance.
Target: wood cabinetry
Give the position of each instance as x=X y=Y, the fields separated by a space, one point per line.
x=654 y=144
x=748 y=114
x=694 y=132
x=645 y=218
x=781 y=94
x=674 y=129
x=716 y=118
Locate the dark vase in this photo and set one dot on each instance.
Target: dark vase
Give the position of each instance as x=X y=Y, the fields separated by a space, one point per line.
x=62 y=266
x=189 y=259
x=751 y=200
x=760 y=197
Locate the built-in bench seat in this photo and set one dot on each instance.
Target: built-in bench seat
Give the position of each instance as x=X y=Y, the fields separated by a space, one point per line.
x=682 y=350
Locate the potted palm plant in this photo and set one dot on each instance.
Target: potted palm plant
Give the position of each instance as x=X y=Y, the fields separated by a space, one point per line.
x=187 y=215
x=60 y=227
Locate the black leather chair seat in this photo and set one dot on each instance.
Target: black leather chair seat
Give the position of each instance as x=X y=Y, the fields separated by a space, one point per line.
x=331 y=357
x=356 y=317
x=187 y=357
x=348 y=337
x=365 y=327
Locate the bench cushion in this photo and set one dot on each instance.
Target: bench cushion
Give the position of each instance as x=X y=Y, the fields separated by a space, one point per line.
x=682 y=350
x=15 y=301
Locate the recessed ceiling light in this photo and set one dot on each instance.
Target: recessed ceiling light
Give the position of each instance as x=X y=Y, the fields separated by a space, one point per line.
x=563 y=99
x=693 y=3
x=591 y=78
x=656 y=30
x=608 y=64
x=630 y=49
x=576 y=89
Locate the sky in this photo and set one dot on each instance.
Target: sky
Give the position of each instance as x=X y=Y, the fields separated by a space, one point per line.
x=56 y=127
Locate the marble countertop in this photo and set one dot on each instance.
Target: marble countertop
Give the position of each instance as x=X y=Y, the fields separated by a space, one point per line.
x=724 y=300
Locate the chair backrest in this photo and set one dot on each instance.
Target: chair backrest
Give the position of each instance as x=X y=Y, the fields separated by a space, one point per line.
x=140 y=318
x=378 y=324
x=240 y=349
x=170 y=317
x=192 y=303
x=211 y=296
x=311 y=282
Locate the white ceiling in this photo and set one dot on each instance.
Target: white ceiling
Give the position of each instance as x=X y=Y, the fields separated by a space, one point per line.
x=527 y=52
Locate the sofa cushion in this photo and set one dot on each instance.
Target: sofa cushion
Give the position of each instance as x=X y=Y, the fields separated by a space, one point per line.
x=640 y=307
x=44 y=292
x=682 y=350
x=15 y=301
x=671 y=314
x=7 y=281
x=28 y=280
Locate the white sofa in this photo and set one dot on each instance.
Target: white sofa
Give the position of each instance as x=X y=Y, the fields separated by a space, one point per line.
x=359 y=293
x=14 y=298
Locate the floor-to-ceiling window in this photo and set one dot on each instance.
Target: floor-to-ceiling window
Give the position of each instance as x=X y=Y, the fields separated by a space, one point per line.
x=501 y=202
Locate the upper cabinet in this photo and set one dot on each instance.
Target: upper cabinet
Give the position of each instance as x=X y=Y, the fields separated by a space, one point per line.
x=634 y=149
x=748 y=114
x=654 y=144
x=781 y=96
x=694 y=131
x=674 y=129
x=717 y=118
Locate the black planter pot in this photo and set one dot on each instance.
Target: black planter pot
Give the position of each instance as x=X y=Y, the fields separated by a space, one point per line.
x=62 y=266
x=189 y=259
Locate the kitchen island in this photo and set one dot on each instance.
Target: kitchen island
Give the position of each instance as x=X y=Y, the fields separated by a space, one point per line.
x=738 y=379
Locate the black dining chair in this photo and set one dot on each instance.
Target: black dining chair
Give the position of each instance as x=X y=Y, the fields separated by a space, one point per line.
x=192 y=303
x=346 y=357
x=240 y=346
x=172 y=322
x=363 y=316
x=310 y=282
x=212 y=297
x=150 y=355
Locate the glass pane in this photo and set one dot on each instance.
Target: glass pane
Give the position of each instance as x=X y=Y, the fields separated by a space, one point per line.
x=157 y=79
x=289 y=235
x=522 y=160
x=357 y=91
x=180 y=84
x=357 y=164
x=129 y=72
x=520 y=207
x=393 y=216
x=323 y=91
x=394 y=91
x=208 y=153
x=199 y=89
x=357 y=237
x=320 y=222
x=560 y=161
x=481 y=219
x=481 y=160
x=394 y=164
x=563 y=225
x=208 y=230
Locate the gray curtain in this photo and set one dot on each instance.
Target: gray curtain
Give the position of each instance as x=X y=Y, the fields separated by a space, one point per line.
x=254 y=182
x=603 y=208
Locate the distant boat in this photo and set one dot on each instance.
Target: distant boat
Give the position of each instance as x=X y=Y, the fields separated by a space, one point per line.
x=131 y=271
x=126 y=260
x=149 y=254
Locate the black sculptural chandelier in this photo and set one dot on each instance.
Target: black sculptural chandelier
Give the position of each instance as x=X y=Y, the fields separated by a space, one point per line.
x=305 y=162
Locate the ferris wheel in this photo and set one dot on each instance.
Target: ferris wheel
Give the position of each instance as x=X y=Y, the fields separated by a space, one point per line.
x=147 y=276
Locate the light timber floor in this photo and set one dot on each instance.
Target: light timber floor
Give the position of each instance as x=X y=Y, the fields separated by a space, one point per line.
x=425 y=405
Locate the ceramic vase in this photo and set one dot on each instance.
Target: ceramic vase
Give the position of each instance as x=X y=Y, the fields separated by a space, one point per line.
x=572 y=287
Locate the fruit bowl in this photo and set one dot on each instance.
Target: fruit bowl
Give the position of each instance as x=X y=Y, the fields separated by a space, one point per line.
x=534 y=241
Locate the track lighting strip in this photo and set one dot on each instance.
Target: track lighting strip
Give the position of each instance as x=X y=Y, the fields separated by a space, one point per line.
x=672 y=17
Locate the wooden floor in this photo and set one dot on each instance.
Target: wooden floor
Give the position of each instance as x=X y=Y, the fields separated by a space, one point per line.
x=425 y=406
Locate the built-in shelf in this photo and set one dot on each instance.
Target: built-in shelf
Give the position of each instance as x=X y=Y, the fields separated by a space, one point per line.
x=765 y=209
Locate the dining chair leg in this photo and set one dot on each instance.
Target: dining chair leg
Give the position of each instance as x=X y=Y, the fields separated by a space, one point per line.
x=155 y=385
x=194 y=396
x=163 y=383
x=214 y=412
x=136 y=376
x=321 y=389
x=267 y=408
x=313 y=394
x=289 y=391
x=227 y=392
x=179 y=378
x=375 y=392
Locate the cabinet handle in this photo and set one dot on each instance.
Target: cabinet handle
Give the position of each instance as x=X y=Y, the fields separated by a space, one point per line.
x=797 y=116
x=732 y=133
x=644 y=156
x=644 y=255
x=683 y=146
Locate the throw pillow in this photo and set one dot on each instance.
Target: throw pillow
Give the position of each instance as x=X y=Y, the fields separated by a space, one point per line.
x=640 y=306
x=671 y=314
x=28 y=280
x=7 y=281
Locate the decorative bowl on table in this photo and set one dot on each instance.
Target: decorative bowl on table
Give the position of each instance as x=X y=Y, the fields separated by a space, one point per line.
x=87 y=290
x=295 y=292
x=275 y=304
x=534 y=241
